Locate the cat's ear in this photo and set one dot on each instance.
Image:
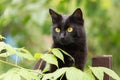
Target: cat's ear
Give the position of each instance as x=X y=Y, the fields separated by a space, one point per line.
x=78 y=13
x=55 y=16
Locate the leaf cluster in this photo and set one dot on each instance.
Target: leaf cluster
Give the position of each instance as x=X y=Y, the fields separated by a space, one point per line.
x=71 y=73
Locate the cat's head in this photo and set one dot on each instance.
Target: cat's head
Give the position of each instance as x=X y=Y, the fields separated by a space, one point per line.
x=67 y=29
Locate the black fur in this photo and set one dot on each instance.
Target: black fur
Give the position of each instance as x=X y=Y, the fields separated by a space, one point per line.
x=72 y=42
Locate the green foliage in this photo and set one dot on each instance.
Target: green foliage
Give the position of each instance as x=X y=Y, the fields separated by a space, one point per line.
x=80 y=75
x=58 y=54
x=58 y=73
x=71 y=73
x=8 y=51
x=20 y=74
x=99 y=72
x=51 y=59
x=1 y=38
x=28 y=22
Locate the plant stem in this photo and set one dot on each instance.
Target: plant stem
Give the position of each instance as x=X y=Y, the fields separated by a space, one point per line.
x=10 y=64
x=16 y=60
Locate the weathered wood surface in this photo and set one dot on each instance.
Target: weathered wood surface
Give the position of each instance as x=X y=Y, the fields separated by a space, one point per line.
x=104 y=61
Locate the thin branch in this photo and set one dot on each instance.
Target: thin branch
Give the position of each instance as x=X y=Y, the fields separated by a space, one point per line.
x=10 y=64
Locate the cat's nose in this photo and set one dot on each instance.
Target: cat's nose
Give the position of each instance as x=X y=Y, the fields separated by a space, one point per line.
x=62 y=36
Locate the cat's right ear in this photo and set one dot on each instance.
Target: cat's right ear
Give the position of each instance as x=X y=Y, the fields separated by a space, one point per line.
x=78 y=13
x=55 y=16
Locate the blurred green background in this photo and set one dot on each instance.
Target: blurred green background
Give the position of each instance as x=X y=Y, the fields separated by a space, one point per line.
x=27 y=23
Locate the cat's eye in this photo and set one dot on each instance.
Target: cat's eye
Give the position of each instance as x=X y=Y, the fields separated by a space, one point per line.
x=69 y=29
x=57 y=29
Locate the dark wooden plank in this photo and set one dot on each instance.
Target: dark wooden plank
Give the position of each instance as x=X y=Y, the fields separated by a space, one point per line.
x=104 y=61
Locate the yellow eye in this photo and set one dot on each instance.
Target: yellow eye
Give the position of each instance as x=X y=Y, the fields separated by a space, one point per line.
x=69 y=29
x=57 y=29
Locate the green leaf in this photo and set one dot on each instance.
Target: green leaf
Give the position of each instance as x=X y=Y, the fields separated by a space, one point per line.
x=12 y=74
x=97 y=72
x=64 y=52
x=18 y=51
x=74 y=74
x=110 y=73
x=59 y=72
x=29 y=75
x=25 y=74
x=21 y=74
x=50 y=58
x=24 y=54
x=9 y=50
x=55 y=75
x=57 y=53
x=15 y=77
x=1 y=37
x=88 y=76
x=2 y=76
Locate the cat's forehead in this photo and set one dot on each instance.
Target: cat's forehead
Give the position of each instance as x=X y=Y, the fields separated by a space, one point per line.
x=65 y=18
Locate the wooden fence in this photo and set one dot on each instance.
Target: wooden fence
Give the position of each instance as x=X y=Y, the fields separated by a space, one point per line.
x=104 y=61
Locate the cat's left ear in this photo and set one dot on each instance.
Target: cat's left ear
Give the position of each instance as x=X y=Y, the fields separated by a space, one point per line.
x=78 y=13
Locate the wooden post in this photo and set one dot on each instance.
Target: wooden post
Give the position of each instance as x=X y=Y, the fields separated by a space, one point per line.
x=104 y=61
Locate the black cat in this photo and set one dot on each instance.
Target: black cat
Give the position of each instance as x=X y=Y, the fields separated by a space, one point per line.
x=68 y=33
